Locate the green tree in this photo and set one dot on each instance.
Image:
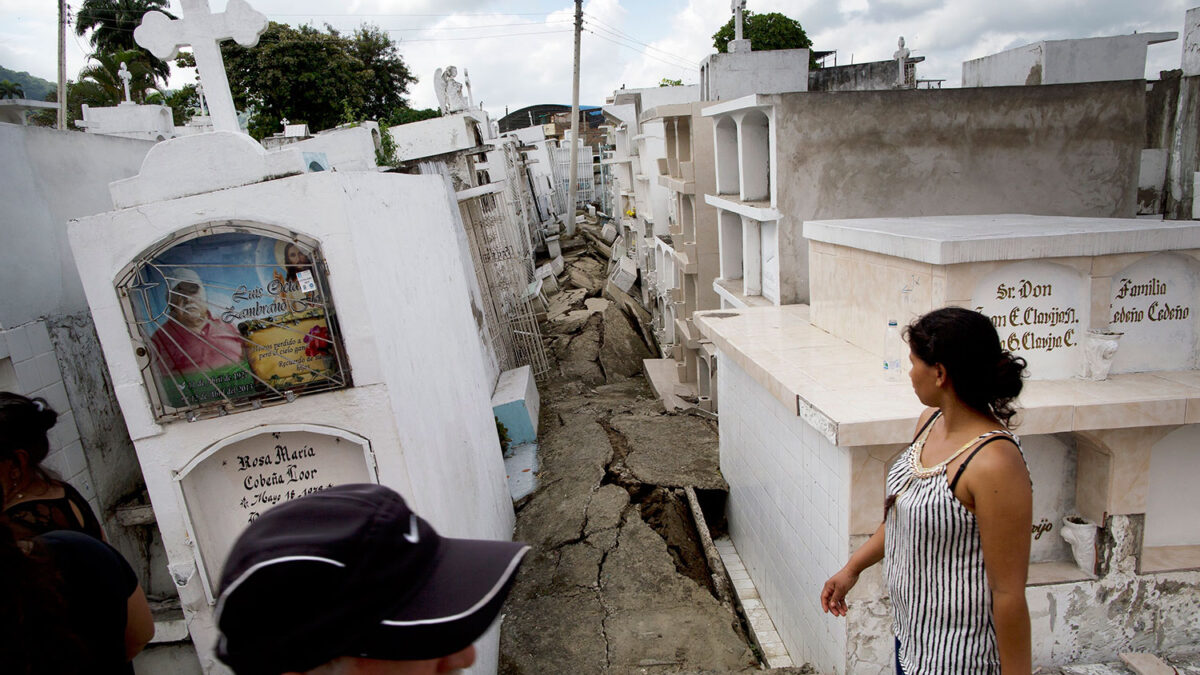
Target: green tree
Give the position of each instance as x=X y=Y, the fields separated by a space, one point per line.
x=408 y=115
x=112 y=23
x=766 y=32
x=11 y=90
x=104 y=75
x=668 y=82
x=316 y=76
x=384 y=69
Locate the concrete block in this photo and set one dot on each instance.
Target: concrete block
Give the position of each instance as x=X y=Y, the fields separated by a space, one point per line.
x=553 y=247
x=543 y=271
x=550 y=284
x=624 y=274
x=516 y=404
x=608 y=233
x=558 y=265
x=591 y=210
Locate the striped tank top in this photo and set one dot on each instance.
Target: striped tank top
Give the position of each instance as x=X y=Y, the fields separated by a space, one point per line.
x=933 y=562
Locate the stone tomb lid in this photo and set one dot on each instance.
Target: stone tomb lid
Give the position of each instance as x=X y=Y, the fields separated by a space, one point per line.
x=946 y=240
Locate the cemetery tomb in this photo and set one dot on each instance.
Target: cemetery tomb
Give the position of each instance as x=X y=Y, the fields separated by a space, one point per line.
x=259 y=352
x=810 y=424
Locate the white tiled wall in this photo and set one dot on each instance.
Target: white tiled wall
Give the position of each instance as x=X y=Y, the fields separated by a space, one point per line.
x=789 y=494
x=29 y=352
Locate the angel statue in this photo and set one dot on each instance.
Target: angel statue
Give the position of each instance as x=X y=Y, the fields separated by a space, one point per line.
x=449 y=91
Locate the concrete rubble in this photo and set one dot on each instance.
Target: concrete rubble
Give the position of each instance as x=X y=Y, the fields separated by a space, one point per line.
x=617 y=580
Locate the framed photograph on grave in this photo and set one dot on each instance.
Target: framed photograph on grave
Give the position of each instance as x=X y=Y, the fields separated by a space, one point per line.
x=230 y=317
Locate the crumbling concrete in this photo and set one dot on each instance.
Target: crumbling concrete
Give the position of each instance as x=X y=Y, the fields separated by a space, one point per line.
x=617 y=580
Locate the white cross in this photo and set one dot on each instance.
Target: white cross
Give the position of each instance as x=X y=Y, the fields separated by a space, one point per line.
x=467 y=81
x=204 y=31
x=125 y=76
x=737 y=7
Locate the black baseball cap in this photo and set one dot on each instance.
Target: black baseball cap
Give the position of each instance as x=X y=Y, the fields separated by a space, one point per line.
x=352 y=571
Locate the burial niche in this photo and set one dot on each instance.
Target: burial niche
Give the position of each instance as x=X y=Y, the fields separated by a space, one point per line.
x=236 y=480
x=1152 y=303
x=1040 y=310
x=231 y=317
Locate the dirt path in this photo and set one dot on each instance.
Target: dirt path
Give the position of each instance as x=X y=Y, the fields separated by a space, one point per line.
x=616 y=581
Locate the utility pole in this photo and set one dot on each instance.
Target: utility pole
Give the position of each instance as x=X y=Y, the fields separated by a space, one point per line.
x=574 y=185
x=62 y=64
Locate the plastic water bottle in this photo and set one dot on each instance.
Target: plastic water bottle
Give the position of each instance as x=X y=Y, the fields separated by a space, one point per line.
x=891 y=352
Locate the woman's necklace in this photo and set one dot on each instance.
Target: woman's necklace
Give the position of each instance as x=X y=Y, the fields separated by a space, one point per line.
x=919 y=470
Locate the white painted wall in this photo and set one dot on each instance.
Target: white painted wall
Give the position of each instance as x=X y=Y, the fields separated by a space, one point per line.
x=47 y=178
x=728 y=76
x=439 y=135
x=1101 y=59
x=129 y=120
x=789 y=510
x=422 y=392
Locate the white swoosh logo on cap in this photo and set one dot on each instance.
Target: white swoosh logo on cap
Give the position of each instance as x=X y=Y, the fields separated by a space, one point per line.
x=412 y=537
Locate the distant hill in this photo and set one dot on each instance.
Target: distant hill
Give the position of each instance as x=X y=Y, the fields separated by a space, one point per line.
x=35 y=87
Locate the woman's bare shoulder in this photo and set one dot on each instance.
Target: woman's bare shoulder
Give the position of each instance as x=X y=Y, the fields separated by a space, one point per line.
x=924 y=419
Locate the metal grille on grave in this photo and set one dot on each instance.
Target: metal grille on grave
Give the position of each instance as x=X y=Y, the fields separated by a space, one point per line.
x=504 y=266
x=232 y=317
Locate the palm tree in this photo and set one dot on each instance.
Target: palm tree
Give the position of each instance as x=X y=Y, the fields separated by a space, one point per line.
x=104 y=80
x=112 y=23
x=11 y=90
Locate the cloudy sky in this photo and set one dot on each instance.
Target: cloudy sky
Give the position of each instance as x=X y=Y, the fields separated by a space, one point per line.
x=518 y=52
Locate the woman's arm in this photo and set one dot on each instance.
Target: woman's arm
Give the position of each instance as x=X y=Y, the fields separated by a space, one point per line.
x=998 y=482
x=833 y=595
x=139 y=624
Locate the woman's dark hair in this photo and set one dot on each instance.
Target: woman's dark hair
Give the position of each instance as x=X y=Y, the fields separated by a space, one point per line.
x=985 y=376
x=23 y=425
x=38 y=637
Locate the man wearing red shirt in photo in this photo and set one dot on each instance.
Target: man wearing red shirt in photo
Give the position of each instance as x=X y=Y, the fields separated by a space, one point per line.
x=193 y=340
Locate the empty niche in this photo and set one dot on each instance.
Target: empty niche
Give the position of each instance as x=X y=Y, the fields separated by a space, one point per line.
x=1172 y=500
x=229 y=317
x=1040 y=310
x=769 y=234
x=725 y=137
x=687 y=217
x=730 y=244
x=754 y=146
x=1153 y=304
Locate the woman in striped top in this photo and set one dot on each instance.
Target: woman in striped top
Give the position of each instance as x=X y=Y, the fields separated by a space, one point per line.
x=959 y=510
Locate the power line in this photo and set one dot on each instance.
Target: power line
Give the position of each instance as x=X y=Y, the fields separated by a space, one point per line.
x=647 y=55
x=623 y=34
x=674 y=60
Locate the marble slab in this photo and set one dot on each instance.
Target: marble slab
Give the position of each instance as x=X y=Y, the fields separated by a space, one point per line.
x=946 y=240
x=841 y=389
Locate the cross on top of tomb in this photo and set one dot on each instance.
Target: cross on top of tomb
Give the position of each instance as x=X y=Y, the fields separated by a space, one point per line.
x=204 y=31
x=738 y=44
x=125 y=76
x=737 y=7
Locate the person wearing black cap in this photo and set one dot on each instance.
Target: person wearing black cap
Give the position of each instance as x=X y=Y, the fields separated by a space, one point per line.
x=350 y=581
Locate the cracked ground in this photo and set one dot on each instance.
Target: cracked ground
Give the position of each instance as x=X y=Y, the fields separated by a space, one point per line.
x=616 y=581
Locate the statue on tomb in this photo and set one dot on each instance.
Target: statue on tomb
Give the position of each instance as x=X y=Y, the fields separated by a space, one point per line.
x=901 y=56
x=449 y=91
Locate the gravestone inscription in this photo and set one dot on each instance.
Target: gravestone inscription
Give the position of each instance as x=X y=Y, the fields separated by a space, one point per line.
x=227 y=489
x=1040 y=310
x=1153 y=303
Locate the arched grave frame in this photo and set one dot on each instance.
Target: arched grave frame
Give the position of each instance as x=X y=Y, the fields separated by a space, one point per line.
x=206 y=582
x=154 y=387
